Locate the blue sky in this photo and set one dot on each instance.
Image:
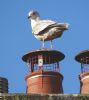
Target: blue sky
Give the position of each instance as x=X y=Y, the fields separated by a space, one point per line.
x=16 y=38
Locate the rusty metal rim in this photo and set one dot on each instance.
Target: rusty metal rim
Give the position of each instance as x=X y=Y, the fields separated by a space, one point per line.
x=44 y=73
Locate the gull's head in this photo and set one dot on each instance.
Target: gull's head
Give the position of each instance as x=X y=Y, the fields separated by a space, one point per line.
x=33 y=15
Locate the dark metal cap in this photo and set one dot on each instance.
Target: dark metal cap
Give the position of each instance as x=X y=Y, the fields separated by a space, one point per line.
x=83 y=57
x=54 y=54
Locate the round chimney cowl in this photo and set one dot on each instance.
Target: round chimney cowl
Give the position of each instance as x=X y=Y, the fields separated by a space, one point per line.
x=3 y=85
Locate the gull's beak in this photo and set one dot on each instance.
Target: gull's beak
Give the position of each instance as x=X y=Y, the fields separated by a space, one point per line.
x=29 y=17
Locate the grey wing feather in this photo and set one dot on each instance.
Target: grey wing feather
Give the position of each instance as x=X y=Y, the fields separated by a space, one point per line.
x=41 y=25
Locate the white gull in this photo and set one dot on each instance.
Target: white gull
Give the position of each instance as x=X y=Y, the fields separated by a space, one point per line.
x=45 y=30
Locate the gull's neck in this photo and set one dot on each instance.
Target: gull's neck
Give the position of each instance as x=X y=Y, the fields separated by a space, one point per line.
x=34 y=22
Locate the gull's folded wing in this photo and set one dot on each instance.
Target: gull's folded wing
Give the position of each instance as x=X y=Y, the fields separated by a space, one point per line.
x=47 y=24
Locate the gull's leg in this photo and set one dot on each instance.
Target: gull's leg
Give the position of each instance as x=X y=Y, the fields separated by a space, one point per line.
x=51 y=44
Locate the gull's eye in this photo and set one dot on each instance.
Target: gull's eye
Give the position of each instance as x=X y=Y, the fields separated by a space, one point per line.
x=33 y=13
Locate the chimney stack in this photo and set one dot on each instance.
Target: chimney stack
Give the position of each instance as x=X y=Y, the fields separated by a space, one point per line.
x=3 y=85
x=44 y=71
x=83 y=58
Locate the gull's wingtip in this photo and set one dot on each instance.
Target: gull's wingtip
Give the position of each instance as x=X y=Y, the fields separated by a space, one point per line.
x=67 y=25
